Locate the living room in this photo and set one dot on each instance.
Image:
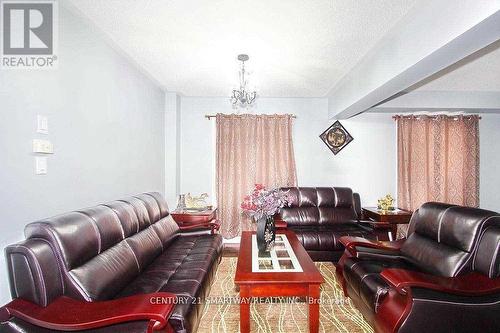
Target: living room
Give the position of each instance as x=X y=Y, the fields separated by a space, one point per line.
x=178 y=99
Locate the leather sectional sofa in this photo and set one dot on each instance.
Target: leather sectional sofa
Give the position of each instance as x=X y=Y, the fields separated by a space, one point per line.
x=320 y=216
x=108 y=253
x=445 y=277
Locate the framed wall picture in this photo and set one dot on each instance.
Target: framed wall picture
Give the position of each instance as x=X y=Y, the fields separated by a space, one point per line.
x=336 y=137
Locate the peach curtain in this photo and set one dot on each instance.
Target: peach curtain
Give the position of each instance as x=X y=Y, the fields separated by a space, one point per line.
x=250 y=149
x=438 y=160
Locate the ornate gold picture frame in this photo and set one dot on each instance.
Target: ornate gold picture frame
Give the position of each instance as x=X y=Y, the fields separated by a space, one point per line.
x=336 y=137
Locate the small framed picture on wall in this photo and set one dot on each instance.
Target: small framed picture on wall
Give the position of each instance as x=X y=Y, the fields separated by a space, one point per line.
x=336 y=137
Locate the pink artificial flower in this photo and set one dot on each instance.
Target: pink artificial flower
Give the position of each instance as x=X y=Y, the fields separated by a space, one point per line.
x=263 y=202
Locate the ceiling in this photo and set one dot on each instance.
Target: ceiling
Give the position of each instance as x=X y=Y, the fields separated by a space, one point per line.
x=297 y=48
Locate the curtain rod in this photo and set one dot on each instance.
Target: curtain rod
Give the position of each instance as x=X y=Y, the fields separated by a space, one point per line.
x=434 y=116
x=209 y=116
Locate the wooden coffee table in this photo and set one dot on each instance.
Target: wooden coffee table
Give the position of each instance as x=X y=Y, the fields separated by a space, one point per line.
x=289 y=272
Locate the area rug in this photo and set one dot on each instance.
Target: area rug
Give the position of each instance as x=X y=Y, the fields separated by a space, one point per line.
x=221 y=312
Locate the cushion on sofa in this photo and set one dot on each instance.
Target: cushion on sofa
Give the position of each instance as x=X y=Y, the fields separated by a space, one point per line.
x=326 y=237
x=321 y=215
x=319 y=205
x=363 y=276
x=93 y=242
x=182 y=269
x=187 y=259
x=443 y=237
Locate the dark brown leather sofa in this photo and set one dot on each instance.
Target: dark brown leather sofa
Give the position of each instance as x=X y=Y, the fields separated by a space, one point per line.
x=108 y=252
x=443 y=278
x=319 y=216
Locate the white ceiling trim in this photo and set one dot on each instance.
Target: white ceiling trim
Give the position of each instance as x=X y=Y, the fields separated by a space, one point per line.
x=419 y=46
x=468 y=101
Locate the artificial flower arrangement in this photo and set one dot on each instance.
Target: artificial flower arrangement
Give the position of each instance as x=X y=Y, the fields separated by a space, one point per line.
x=262 y=204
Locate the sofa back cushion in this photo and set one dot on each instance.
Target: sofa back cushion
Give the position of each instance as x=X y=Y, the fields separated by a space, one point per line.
x=101 y=249
x=319 y=205
x=443 y=238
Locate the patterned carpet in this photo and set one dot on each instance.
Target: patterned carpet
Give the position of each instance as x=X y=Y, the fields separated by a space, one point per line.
x=221 y=313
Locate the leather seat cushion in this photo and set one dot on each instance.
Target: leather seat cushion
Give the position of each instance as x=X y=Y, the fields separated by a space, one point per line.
x=326 y=237
x=183 y=269
x=364 y=278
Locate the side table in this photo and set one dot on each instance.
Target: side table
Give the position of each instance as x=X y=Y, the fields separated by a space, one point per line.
x=393 y=217
x=195 y=219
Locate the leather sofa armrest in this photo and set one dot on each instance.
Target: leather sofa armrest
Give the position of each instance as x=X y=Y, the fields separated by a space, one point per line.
x=351 y=243
x=214 y=226
x=68 y=314
x=472 y=284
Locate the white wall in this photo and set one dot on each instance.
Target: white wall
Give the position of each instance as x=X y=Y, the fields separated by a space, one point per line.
x=172 y=147
x=489 y=145
x=106 y=123
x=367 y=164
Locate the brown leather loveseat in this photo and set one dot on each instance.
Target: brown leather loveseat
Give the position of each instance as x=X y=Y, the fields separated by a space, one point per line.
x=107 y=253
x=445 y=277
x=319 y=216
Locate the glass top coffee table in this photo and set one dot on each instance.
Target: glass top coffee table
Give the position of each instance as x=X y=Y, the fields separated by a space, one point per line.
x=287 y=271
x=280 y=259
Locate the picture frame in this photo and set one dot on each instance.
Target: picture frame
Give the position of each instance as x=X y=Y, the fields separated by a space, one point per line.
x=336 y=137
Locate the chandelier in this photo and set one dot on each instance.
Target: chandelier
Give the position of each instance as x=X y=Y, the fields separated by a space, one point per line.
x=241 y=97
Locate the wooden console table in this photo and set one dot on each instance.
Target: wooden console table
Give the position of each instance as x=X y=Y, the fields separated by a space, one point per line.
x=393 y=217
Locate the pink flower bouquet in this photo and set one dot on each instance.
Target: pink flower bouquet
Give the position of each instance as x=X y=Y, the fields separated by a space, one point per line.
x=263 y=202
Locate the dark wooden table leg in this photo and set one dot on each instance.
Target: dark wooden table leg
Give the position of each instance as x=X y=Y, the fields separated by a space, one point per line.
x=394 y=232
x=244 y=309
x=314 y=308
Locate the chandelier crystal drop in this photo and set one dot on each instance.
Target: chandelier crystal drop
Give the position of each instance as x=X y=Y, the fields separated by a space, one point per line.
x=241 y=97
